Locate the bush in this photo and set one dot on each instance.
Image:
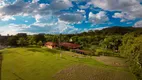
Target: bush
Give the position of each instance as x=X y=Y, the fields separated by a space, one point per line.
x=104 y=52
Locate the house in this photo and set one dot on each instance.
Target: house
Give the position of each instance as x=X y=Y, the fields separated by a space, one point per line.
x=67 y=45
x=63 y=45
x=51 y=45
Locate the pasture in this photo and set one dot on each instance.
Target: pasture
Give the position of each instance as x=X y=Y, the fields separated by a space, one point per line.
x=46 y=64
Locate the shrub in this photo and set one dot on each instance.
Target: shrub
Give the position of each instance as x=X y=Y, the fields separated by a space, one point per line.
x=104 y=52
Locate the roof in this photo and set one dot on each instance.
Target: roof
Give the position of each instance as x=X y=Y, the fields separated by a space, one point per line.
x=69 y=45
x=50 y=43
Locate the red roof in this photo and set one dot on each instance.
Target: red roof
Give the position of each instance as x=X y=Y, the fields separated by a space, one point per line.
x=70 y=45
x=50 y=43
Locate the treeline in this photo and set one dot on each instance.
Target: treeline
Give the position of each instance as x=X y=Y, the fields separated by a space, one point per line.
x=116 y=41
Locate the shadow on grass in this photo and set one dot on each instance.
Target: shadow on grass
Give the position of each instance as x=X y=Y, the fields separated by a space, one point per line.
x=1 y=58
x=54 y=51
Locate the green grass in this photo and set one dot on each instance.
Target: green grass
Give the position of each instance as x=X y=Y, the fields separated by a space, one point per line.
x=42 y=63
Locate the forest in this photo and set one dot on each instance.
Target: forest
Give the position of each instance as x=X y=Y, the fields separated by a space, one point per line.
x=124 y=42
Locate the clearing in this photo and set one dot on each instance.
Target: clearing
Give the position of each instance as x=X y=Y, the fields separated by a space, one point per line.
x=46 y=64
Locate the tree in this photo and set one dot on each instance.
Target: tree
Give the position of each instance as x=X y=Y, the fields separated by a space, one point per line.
x=40 y=43
x=111 y=42
x=31 y=40
x=22 y=42
x=132 y=50
x=12 y=41
x=39 y=37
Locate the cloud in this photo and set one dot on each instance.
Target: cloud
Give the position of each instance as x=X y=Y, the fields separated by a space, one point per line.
x=98 y=18
x=57 y=28
x=71 y=17
x=51 y=28
x=123 y=16
x=21 y=7
x=60 y=4
x=7 y=18
x=138 y=24
x=115 y=4
x=26 y=21
x=14 y=9
x=12 y=29
x=38 y=10
x=2 y=2
x=129 y=6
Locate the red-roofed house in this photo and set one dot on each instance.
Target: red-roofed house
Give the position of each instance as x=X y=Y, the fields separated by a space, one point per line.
x=67 y=45
x=51 y=45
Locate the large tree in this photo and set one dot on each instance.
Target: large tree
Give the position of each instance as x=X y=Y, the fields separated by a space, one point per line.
x=22 y=42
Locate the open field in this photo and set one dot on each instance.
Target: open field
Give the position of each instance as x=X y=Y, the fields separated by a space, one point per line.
x=46 y=64
x=113 y=61
x=84 y=72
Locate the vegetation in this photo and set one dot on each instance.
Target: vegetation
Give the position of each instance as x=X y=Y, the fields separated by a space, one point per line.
x=115 y=41
x=43 y=64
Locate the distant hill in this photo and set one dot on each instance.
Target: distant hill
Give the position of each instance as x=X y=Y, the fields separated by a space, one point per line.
x=113 y=31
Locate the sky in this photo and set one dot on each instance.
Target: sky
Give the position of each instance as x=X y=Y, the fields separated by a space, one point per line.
x=67 y=16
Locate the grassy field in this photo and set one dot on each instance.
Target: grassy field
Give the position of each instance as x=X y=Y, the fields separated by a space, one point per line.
x=46 y=64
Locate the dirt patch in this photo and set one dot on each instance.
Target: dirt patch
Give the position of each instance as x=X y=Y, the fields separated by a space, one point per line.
x=84 y=72
x=113 y=61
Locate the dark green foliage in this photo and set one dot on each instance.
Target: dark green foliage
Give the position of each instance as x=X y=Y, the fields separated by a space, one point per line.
x=12 y=41
x=40 y=43
x=132 y=50
x=111 y=42
x=22 y=42
x=39 y=37
x=31 y=40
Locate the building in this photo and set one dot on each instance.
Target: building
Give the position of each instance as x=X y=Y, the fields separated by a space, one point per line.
x=63 y=45
x=51 y=45
x=67 y=45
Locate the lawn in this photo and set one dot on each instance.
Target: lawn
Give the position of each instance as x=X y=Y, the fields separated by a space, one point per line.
x=46 y=64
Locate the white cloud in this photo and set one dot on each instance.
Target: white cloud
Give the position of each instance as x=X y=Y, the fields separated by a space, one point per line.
x=115 y=4
x=2 y=3
x=81 y=11
x=51 y=28
x=35 y=1
x=37 y=10
x=38 y=17
x=98 y=18
x=130 y=6
x=26 y=21
x=7 y=18
x=123 y=16
x=12 y=29
x=138 y=24
x=20 y=7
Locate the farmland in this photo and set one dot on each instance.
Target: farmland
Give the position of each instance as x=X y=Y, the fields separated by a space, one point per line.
x=46 y=64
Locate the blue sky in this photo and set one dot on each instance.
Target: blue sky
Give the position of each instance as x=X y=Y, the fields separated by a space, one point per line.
x=67 y=16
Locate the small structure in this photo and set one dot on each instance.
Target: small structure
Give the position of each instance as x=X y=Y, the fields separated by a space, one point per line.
x=67 y=45
x=51 y=45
